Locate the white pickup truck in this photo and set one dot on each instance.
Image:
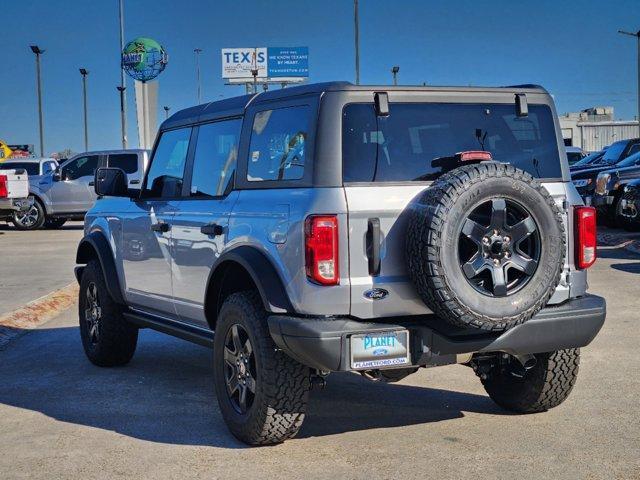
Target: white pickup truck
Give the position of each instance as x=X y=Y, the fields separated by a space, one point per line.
x=14 y=192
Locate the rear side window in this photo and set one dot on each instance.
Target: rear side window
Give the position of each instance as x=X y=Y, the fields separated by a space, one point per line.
x=165 y=177
x=215 y=158
x=126 y=161
x=278 y=141
x=417 y=141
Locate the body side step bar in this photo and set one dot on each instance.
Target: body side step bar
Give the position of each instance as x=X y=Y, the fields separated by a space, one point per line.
x=191 y=333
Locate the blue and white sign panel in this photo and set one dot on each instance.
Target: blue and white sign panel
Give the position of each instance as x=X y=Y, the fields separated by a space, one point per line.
x=238 y=62
x=272 y=64
x=288 y=62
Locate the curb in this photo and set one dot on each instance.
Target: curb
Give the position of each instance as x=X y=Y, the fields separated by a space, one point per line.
x=35 y=313
x=626 y=240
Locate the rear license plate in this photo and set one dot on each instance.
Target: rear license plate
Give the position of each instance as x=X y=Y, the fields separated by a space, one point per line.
x=380 y=350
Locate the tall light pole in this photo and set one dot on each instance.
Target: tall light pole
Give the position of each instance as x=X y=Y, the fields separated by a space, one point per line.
x=123 y=86
x=394 y=71
x=637 y=35
x=198 y=51
x=38 y=51
x=166 y=112
x=84 y=72
x=357 y=39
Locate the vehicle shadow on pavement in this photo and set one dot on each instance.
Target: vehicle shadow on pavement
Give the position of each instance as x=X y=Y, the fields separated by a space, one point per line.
x=74 y=226
x=166 y=393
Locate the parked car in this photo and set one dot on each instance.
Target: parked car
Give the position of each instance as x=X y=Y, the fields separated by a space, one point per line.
x=332 y=227
x=629 y=211
x=14 y=191
x=67 y=193
x=590 y=160
x=585 y=179
x=574 y=154
x=610 y=185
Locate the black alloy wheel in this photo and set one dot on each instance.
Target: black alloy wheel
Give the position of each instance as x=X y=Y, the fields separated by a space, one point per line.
x=240 y=369
x=499 y=247
x=92 y=313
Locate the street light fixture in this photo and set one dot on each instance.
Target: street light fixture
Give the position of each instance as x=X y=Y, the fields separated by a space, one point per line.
x=84 y=72
x=395 y=71
x=637 y=35
x=166 y=112
x=198 y=51
x=38 y=51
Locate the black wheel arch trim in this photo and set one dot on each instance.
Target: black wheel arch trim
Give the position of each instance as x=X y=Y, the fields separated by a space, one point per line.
x=97 y=242
x=263 y=273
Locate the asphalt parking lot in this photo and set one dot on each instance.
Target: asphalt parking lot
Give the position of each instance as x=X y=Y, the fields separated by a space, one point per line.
x=61 y=417
x=35 y=263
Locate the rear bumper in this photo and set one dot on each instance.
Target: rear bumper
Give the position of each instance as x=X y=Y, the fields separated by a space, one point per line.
x=9 y=205
x=323 y=343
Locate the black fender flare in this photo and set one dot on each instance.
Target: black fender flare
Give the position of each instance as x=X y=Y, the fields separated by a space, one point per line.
x=96 y=245
x=262 y=272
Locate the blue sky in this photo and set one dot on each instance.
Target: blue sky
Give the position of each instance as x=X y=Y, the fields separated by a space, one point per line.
x=570 y=47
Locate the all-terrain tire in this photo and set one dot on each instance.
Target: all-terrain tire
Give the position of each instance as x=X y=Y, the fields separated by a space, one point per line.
x=33 y=220
x=545 y=386
x=435 y=225
x=281 y=384
x=113 y=341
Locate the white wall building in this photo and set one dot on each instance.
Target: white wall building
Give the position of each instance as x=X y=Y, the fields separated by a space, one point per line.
x=594 y=128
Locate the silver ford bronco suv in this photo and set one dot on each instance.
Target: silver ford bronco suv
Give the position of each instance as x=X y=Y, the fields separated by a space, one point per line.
x=333 y=227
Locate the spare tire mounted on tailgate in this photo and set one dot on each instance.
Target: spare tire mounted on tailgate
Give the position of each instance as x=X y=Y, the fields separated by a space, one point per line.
x=485 y=246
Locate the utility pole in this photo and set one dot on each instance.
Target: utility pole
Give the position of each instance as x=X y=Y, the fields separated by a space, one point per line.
x=84 y=72
x=637 y=35
x=394 y=71
x=38 y=51
x=357 y=39
x=123 y=85
x=198 y=51
x=166 y=112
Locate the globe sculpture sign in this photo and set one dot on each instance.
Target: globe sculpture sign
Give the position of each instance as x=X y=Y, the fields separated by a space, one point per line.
x=143 y=59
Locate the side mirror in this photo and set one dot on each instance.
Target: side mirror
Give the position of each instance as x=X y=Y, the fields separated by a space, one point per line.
x=57 y=176
x=111 y=182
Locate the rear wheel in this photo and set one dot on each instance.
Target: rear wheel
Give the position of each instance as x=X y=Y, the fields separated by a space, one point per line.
x=546 y=385
x=261 y=391
x=108 y=339
x=31 y=219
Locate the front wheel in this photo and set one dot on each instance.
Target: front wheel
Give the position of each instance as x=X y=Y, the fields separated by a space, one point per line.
x=31 y=219
x=546 y=385
x=108 y=339
x=261 y=391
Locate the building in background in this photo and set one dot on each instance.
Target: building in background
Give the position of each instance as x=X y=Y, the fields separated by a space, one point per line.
x=594 y=128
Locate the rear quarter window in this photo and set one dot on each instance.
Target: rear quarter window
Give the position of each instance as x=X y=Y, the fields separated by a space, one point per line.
x=126 y=161
x=417 y=141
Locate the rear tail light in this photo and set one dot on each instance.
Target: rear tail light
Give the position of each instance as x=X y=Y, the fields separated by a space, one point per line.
x=585 y=228
x=4 y=188
x=321 y=249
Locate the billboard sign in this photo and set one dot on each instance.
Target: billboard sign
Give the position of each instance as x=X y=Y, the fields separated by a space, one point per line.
x=288 y=62
x=238 y=62
x=270 y=62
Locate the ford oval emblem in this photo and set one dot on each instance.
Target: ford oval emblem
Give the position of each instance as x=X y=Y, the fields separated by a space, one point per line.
x=376 y=294
x=380 y=351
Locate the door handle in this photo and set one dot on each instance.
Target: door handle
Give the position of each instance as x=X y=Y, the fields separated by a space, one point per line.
x=161 y=227
x=212 y=229
x=373 y=246
x=134 y=182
